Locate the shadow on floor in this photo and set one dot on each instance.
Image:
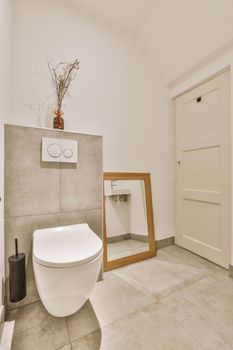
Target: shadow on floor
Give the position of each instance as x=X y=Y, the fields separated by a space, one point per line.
x=36 y=329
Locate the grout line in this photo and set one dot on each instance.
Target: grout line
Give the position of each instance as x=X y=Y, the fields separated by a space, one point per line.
x=140 y=308
x=199 y=256
x=52 y=213
x=64 y=346
x=21 y=306
x=67 y=330
x=126 y=315
x=155 y=302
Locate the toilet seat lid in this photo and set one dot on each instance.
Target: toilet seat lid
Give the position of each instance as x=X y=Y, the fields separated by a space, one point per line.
x=66 y=246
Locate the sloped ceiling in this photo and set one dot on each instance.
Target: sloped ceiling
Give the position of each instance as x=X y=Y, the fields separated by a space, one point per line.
x=178 y=34
x=130 y=14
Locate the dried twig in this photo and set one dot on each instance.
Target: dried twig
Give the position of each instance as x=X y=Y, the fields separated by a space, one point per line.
x=62 y=75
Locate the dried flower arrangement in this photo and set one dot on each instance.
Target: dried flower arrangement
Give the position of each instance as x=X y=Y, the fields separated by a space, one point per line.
x=62 y=74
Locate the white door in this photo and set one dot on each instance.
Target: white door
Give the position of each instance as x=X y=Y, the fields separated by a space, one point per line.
x=203 y=170
x=2 y=272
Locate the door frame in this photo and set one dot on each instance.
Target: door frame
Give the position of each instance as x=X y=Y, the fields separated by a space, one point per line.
x=228 y=155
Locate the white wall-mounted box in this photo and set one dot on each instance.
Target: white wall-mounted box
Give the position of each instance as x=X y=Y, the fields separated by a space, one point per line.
x=59 y=150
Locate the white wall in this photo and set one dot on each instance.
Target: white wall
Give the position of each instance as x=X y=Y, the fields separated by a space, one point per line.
x=5 y=46
x=116 y=94
x=117 y=213
x=128 y=216
x=117 y=217
x=224 y=62
x=180 y=33
x=138 y=224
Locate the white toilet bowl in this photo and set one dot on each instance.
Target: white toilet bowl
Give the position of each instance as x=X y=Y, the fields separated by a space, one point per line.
x=66 y=262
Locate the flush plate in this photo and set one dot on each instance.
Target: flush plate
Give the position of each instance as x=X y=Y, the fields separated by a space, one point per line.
x=59 y=150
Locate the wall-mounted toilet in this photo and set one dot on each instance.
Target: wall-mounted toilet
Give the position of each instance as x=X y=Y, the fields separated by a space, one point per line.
x=66 y=262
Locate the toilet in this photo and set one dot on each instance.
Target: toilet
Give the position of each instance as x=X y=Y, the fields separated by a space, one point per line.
x=66 y=263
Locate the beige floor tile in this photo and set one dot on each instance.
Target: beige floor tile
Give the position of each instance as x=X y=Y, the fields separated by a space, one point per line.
x=82 y=322
x=35 y=329
x=160 y=278
x=113 y=298
x=178 y=255
x=125 y=247
x=177 y=301
x=91 y=341
x=224 y=286
x=216 y=308
x=144 y=329
x=202 y=314
x=67 y=347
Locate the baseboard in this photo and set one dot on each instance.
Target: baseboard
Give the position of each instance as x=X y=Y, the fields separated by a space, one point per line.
x=3 y=296
x=7 y=336
x=2 y=320
x=2 y=309
x=230 y=270
x=161 y=243
x=118 y=238
x=135 y=236
x=165 y=242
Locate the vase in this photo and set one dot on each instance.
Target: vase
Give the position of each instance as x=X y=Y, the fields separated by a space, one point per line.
x=58 y=121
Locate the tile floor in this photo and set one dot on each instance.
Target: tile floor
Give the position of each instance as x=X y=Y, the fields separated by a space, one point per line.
x=125 y=247
x=176 y=301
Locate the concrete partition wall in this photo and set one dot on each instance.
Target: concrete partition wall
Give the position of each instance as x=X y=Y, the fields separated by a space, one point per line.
x=42 y=194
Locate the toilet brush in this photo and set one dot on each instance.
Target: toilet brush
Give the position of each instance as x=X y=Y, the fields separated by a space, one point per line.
x=17 y=275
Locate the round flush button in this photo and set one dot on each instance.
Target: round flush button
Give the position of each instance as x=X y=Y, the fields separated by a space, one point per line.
x=68 y=153
x=54 y=150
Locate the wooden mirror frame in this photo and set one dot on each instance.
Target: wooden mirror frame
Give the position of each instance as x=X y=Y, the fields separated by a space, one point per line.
x=113 y=264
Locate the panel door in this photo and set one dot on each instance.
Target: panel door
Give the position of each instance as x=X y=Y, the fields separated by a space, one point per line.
x=202 y=170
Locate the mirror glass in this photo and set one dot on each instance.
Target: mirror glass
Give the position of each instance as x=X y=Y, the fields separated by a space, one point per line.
x=126 y=221
x=127 y=232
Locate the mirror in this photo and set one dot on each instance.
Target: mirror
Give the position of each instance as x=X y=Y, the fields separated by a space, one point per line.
x=128 y=219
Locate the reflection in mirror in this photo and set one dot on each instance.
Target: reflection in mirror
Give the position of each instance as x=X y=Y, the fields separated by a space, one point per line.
x=127 y=231
x=126 y=222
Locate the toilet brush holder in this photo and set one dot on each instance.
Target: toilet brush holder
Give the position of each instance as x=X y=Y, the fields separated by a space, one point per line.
x=17 y=275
